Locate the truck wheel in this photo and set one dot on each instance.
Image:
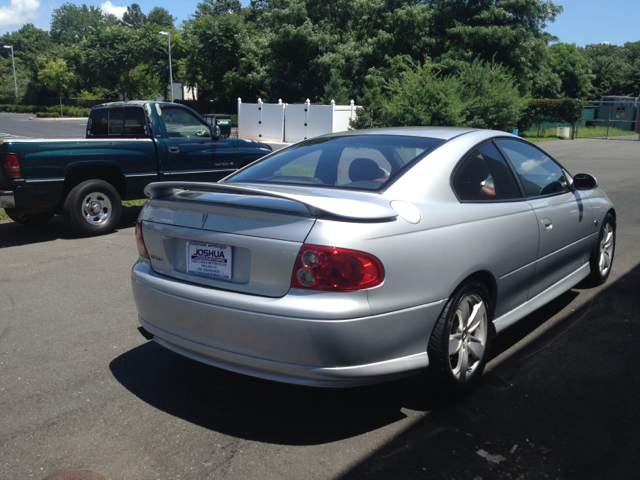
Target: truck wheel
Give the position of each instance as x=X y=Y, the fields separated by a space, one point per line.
x=92 y=208
x=28 y=218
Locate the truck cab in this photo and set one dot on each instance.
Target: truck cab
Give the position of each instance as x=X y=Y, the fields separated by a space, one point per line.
x=127 y=146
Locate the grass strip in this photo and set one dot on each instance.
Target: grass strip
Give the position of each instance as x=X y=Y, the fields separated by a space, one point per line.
x=596 y=132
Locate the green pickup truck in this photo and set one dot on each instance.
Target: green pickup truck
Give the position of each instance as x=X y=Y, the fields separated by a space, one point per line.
x=128 y=145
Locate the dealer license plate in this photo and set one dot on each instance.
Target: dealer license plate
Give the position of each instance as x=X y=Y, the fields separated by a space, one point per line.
x=209 y=260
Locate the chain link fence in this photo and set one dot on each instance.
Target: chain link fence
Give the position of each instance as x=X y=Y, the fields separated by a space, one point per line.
x=610 y=118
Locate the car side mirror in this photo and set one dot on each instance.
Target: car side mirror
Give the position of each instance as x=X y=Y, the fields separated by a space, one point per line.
x=584 y=181
x=215 y=132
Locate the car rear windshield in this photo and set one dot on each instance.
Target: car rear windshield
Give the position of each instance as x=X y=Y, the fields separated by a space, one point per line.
x=359 y=162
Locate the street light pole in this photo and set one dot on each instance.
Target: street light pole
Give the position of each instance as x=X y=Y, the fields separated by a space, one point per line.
x=13 y=62
x=170 y=73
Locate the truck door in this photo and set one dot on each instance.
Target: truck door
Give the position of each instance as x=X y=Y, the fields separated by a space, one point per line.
x=194 y=155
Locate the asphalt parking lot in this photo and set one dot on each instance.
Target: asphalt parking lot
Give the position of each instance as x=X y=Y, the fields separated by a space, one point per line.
x=81 y=388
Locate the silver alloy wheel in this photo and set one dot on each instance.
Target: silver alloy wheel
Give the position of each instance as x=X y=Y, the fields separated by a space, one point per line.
x=96 y=208
x=468 y=337
x=606 y=249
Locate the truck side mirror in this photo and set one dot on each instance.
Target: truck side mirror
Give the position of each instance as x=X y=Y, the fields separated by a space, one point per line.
x=215 y=132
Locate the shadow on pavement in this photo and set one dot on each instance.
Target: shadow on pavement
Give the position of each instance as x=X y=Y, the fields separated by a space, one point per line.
x=564 y=406
x=13 y=234
x=272 y=412
x=260 y=410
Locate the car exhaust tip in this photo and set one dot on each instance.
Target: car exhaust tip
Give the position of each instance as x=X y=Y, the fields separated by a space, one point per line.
x=145 y=333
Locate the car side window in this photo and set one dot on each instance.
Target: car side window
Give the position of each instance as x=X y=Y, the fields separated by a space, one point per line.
x=182 y=124
x=484 y=175
x=538 y=173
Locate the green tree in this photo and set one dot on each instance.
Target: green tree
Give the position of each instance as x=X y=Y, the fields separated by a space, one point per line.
x=479 y=94
x=218 y=7
x=7 y=87
x=71 y=23
x=156 y=61
x=613 y=69
x=113 y=53
x=572 y=68
x=490 y=95
x=336 y=90
x=509 y=32
x=216 y=58
x=56 y=77
x=421 y=96
x=29 y=43
x=632 y=51
x=133 y=17
x=160 y=16
x=317 y=42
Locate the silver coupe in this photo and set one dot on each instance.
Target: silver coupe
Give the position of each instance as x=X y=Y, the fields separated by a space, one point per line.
x=368 y=255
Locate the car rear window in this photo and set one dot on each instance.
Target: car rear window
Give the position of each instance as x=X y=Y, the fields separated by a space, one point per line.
x=359 y=162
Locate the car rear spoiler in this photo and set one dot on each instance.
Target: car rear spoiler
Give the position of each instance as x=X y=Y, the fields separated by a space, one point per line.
x=345 y=204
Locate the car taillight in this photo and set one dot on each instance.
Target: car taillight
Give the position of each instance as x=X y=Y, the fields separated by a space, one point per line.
x=142 y=249
x=337 y=269
x=12 y=166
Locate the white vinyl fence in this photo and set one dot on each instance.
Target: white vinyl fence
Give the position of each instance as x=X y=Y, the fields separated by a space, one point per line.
x=261 y=121
x=281 y=122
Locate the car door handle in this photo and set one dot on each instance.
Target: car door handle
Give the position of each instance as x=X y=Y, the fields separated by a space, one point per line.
x=548 y=224
x=173 y=149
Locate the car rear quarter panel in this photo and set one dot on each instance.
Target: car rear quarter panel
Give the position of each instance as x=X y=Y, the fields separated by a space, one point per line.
x=425 y=262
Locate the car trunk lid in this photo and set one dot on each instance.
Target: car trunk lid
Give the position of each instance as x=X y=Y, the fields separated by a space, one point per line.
x=244 y=238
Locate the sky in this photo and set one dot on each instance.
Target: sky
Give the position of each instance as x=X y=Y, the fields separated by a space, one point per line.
x=582 y=22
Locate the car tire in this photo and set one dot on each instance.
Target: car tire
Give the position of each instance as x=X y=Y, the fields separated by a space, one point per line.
x=92 y=208
x=29 y=219
x=601 y=259
x=459 y=344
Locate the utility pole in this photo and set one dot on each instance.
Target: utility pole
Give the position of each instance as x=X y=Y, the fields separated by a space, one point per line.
x=13 y=62
x=168 y=35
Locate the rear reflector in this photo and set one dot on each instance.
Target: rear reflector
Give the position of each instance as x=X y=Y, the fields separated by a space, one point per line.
x=336 y=269
x=142 y=248
x=12 y=166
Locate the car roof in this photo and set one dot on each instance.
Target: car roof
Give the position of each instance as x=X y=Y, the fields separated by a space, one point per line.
x=442 y=133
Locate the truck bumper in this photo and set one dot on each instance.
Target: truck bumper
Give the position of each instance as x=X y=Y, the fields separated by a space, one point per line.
x=6 y=199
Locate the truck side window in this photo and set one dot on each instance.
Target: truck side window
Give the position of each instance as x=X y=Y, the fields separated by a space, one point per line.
x=181 y=124
x=97 y=125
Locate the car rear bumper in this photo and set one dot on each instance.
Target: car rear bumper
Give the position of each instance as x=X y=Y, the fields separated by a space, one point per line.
x=7 y=199
x=258 y=336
